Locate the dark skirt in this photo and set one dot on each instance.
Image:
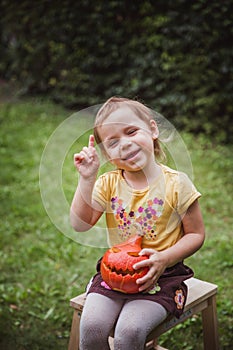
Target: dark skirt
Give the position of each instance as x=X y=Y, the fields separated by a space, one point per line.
x=172 y=294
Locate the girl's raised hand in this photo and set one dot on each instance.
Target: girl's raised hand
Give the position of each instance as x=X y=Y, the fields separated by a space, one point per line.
x=87 y=161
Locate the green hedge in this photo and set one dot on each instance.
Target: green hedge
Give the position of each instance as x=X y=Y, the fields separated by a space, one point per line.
x=175 y=55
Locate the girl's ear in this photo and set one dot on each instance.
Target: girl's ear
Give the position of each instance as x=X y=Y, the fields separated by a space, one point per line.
x=154 y=129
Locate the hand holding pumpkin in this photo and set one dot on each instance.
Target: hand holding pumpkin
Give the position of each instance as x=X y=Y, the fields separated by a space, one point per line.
x=117 y=265
x=156 y=265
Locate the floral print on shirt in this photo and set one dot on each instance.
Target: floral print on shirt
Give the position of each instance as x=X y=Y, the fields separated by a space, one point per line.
x=145 y=216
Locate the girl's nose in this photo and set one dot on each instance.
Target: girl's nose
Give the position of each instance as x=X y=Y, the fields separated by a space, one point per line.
x=125 y=142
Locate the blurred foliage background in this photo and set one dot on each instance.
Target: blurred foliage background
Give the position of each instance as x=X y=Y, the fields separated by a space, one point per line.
x=174 y=55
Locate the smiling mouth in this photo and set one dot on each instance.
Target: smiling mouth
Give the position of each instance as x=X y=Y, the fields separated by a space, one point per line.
x=131 y=155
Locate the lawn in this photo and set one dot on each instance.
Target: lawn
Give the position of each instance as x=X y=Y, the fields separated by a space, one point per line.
x=42 y=267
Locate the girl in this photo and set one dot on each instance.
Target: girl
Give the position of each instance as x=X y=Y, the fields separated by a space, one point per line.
x=141 y=192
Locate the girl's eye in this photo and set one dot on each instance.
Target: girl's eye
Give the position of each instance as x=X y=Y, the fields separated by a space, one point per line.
x=131 y=131
x=112 y=142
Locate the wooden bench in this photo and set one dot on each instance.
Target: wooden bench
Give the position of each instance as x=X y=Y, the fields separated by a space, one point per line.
x=201 y=298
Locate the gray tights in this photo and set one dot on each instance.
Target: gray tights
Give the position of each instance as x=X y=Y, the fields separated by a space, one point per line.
x=134 y=321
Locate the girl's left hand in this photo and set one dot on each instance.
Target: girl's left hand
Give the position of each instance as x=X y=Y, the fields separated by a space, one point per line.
x=156 y=264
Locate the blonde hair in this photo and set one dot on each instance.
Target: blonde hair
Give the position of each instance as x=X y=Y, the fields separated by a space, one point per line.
x=143 y=112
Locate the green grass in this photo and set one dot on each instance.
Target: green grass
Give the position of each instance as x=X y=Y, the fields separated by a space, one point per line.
x=41 y=268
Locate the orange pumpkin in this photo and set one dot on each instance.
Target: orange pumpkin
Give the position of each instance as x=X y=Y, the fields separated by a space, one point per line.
x=117 y=265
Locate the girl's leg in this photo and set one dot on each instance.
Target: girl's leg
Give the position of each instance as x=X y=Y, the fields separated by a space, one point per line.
x=98 y=318
x=136 y=320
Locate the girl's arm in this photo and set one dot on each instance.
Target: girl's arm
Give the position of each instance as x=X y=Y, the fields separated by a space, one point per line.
x=194 y=235
x=84 y=212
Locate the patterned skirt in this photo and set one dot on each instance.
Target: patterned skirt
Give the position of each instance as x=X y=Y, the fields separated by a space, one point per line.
x=171 y=294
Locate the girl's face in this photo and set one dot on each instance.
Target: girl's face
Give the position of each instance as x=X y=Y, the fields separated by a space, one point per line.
x=128 y=140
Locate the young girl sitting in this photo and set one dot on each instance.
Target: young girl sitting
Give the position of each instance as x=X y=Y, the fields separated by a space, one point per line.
x=142 y=193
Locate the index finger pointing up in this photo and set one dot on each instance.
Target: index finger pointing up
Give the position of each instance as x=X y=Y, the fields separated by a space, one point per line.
x=91 y=141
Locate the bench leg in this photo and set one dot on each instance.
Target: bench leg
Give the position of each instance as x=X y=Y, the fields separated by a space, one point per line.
x=153 y=345
x=210 y=327
x=74 y=334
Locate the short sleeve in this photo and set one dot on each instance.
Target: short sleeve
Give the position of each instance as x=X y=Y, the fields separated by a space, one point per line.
x=100 y=192
x=186 y=193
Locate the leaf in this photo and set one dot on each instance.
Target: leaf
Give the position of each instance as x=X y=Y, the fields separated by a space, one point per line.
x=49 y=312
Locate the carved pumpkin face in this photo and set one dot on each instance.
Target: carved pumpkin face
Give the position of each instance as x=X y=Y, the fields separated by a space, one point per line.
x=117 y=265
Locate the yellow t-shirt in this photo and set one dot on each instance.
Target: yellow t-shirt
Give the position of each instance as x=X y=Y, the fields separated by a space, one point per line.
x=155 y=211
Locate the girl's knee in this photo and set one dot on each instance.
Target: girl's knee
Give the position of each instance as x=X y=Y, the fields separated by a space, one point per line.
x=93 y=333
x=92 y=325
x=129 y=337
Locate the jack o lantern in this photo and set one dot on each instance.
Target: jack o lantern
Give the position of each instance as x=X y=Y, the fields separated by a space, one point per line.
x=117 y=265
